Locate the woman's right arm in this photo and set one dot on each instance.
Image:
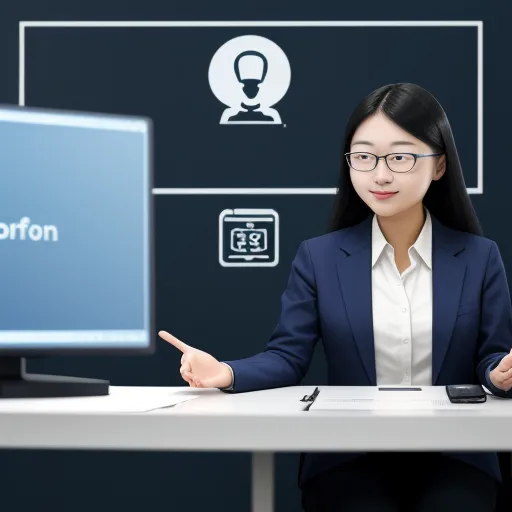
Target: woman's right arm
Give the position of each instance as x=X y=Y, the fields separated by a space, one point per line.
x=289 y=351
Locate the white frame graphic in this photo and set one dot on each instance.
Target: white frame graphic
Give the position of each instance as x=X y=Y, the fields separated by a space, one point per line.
x=478 y=24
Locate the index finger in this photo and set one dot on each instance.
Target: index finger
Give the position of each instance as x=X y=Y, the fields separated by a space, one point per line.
x=173 y=341
x=506 y=362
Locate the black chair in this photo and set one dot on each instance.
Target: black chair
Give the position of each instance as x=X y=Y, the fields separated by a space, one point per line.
x=504 y=501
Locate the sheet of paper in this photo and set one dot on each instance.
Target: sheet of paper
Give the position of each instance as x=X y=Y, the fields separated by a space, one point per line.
x=136 y=401
x=372 y=399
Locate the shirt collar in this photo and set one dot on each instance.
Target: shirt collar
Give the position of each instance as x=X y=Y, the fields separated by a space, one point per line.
x=378 y=241
x=423 y=244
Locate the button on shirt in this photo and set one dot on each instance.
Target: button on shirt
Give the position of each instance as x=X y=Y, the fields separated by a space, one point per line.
x=402 y=310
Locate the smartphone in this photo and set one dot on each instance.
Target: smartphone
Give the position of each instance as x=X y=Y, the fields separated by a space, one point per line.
x=466 y=393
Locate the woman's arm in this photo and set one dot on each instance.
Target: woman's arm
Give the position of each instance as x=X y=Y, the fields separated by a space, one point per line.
x=289 y=351
x=496 y=323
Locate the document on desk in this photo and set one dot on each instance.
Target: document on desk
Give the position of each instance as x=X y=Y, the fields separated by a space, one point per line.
x=370 y=398
x=117 y=402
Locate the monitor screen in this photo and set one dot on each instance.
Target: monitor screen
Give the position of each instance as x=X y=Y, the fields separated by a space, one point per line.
x=75 y=231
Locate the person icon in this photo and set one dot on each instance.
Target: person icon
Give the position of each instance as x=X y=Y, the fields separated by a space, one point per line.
x=249 y=75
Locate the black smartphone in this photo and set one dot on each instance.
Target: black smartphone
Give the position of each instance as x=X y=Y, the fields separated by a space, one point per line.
x=466 y=393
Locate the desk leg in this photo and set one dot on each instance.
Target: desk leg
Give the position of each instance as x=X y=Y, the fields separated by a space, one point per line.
x=262 y=485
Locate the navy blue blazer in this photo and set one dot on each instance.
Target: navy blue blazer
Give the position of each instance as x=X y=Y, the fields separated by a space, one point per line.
x=328 y=298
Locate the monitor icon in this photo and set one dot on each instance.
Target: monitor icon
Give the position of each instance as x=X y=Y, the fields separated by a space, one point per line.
x=249 y=238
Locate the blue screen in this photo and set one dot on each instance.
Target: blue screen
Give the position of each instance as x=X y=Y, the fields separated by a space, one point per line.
x=74 y=230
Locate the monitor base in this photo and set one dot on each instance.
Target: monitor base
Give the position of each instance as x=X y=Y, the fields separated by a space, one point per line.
x=16 y=383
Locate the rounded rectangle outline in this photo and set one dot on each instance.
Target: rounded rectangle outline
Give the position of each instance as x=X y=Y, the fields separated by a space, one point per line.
x=478 y=24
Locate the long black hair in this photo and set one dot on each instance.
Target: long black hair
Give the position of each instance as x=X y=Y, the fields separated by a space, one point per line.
x=417 y=111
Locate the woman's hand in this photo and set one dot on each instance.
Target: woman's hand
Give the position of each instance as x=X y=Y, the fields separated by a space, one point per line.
x=198 y=368
x=501 y=376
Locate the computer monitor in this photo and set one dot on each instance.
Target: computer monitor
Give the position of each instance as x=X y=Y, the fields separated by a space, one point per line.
x=76 y=243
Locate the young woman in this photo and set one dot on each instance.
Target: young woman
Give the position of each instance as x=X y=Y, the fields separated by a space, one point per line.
x=403 y=290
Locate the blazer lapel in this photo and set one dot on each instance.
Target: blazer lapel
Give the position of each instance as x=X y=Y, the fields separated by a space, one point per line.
x=354 y=274
x=447 y=280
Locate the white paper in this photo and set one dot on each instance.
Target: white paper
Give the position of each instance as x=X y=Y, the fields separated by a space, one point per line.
x=372 y=399
x=119 y=400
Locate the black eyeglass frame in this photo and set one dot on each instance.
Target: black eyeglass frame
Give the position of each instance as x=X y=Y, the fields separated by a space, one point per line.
x=385 y=157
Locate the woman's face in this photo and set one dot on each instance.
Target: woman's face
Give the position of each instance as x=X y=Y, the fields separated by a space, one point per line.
x=380 y=136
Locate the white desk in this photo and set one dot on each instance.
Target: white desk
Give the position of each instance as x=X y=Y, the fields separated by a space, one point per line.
x=260 y=422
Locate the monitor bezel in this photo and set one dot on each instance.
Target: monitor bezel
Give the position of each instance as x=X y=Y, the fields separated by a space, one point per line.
x=123 y=350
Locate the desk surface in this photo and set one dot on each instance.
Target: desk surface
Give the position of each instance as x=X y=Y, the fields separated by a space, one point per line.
x=269 y=420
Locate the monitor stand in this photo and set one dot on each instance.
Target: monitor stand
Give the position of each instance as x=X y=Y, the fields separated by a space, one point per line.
x=16 y=383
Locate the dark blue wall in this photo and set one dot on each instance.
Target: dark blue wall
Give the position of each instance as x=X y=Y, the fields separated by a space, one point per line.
x=162 y=73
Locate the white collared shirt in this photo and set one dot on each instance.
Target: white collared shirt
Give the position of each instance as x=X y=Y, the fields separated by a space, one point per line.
x=402 y=310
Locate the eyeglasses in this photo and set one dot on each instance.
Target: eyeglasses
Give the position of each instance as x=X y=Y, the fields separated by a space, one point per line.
x=396 y=162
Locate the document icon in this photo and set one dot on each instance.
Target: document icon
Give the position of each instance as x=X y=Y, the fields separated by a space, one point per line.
x=249 y=238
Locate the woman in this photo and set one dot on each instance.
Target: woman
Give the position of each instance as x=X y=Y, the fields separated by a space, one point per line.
x=403 y=290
